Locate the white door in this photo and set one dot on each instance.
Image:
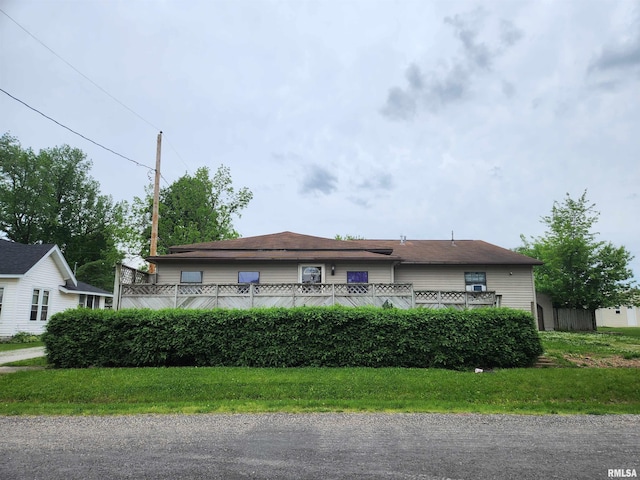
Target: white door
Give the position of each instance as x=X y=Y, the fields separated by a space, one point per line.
x=632 y=319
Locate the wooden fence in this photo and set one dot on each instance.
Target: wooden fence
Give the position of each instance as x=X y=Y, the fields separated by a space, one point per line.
x=567 y=319
x=157 y=296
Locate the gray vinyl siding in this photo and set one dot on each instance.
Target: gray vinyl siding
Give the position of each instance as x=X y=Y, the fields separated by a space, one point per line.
x=282 y=272
x=513 y=282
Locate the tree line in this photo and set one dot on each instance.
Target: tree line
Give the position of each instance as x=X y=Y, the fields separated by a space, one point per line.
x=50 y=197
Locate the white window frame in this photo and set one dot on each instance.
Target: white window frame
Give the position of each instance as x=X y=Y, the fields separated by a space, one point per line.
x=302 y=267
x=40 y=305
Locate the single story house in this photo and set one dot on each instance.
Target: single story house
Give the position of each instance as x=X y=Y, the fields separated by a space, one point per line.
x=293 y=269
x=35 y=283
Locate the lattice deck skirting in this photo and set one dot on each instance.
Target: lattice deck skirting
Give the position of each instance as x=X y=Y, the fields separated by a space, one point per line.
x=156 y=296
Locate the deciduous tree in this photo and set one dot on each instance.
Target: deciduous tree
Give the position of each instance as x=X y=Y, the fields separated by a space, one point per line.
x=50 y=197
x=579 y=271
x=192 y=209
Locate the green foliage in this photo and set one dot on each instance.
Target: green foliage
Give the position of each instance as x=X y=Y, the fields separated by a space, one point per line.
x=50 y=197
x=295 y=337
x=25 y=337
x=348 y=237
x=99 y=273
x=192 y=209
x=579 y=271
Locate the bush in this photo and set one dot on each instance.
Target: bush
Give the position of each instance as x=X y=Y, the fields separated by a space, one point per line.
x=293 y=337
x=25 y=337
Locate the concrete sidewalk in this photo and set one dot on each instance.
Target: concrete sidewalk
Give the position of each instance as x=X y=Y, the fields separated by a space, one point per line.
x=21 y=354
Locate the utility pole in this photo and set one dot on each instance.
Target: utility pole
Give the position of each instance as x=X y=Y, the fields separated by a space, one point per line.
x=156 y=200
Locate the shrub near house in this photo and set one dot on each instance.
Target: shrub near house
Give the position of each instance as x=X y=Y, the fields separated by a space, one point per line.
x=294 y=337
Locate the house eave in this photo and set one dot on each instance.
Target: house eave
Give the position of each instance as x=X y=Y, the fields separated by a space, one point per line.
x=63 y=289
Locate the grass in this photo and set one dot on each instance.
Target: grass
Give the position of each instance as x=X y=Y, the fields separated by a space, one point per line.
x=7 y=347
x=234 y=390
x=30 y=362
x=103 y=391
x=606 y=342
x=626 y=331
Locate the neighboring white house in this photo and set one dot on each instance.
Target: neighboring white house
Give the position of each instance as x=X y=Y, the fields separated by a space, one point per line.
x=618 y=317
x=35 y=283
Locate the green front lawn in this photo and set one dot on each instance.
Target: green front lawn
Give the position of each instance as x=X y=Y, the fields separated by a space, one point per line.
x=6 y=347
x=206 y=390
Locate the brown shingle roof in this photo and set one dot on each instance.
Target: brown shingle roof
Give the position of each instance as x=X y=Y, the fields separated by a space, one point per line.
x=274 y=241
x=294 y=246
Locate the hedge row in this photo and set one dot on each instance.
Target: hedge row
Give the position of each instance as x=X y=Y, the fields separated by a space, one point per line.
x=293 y=337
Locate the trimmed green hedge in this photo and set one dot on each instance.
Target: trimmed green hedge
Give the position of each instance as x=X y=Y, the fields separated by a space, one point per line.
x=293 y=337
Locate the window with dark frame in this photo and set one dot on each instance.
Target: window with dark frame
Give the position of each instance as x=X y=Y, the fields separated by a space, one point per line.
x=1 y=295
x=190 y=277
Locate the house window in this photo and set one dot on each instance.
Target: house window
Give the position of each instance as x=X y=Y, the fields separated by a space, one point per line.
x=311 y=273
x=190 y=277
x=247 y=277
x=357 y=277
x=39 y=305
x=1 y=295
x=89 y=301
x=475 y=281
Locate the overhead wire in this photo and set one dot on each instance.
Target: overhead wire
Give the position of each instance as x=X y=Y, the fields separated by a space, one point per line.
x=79 y=72
x=77 y=133
x=95 y=85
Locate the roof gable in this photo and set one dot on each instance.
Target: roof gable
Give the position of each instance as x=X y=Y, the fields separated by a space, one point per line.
x=16 y=259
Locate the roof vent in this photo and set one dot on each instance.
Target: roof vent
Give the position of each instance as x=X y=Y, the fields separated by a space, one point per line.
x=453 y=242
x=403 y=239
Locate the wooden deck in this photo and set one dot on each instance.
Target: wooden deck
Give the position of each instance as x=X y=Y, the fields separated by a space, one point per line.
x=204 y=296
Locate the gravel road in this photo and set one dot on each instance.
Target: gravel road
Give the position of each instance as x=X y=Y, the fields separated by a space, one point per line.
x=318 y=446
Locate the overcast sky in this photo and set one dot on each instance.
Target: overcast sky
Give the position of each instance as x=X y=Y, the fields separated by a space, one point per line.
x=369 y=118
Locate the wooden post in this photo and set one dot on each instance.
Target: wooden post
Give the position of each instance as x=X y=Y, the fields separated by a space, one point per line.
x=156 y=200
x=116 y=287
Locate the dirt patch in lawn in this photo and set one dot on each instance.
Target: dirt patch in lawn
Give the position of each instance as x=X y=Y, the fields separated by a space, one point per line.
x=614 y=361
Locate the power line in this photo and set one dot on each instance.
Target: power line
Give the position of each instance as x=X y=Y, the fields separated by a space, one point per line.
x=93 y=83
x=76 y=133
x=79 y=72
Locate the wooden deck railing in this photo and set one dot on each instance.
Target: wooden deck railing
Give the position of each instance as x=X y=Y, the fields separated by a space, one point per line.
x=157 y=296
